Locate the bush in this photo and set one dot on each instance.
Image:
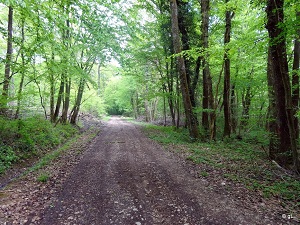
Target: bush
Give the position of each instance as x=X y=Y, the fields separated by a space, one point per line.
x=26 y=137
x=7 y=156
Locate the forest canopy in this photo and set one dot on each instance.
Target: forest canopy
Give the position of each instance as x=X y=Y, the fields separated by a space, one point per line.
x=222 y=69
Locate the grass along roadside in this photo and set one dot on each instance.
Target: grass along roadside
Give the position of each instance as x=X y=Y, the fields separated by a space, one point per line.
x=52 y=156
x=29 y=137
x=235 y=161
x=39 y=169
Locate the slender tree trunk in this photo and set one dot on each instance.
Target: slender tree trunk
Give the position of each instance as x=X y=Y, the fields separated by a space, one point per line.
x=213 y=118
x=171 y=97
x=59 y=98
x=233 y=109
x=146 y=104
x=178 y=100
x=67 y=79
x=295 y=78
x=76 y=108
x=22 y=70
x=164 y=109
x=38 y=86
x=52 y=90
x=190 y=116
x=226 y=93
x=3 y=108
x=246 y=102
x=99 y=79
x=66 y=102
x=282 y=88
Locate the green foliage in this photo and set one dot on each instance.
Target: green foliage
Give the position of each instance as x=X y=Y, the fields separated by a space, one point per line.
x=204 y=174
x=45 y=160
x=118 y=94
x=167 y=134
x=23 y=138
x=7 y=157
x=49 y=157
x=44 y=177
x=94 y=105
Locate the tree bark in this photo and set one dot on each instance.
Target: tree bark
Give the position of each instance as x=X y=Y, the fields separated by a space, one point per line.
x=76 y=108
x=66 y=102
x=59 y=98
x=171 y=97
x=190 y=116
x=52 y=90
x=9 y=51
x=273 y=126
x=22 y=69
x=282 y=87
x=295 y=78
x=207 y=102
x=226 y=93
x=183 y=24
x=99 y=79
x=67 y=79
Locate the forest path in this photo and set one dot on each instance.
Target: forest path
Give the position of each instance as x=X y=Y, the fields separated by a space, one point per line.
x=126 y=178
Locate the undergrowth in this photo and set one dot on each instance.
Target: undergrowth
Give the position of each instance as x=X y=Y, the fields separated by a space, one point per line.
x=23 y=138
x=240 y=161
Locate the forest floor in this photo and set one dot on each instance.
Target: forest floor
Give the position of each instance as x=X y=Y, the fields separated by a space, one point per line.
x=123 y=177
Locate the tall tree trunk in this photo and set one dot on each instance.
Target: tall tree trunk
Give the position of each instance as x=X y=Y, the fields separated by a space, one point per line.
x=183 y=25
x=273 y=126
x=67 y=79
x=282 y=87
x=233 y=109
x=295 y=78
x=171 y=96
x=9 y=51
x=178 y=100
x=23 y=68
x=190 y=116
x=226 y=93
x=207 y=102
x=66 y=102
x=52 y=90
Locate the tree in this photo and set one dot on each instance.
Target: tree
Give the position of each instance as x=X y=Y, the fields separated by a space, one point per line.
x=190 y=115
x=295 y=76
x=186 y=28
x=22 y=49
x=226 y=91
x=8 y=62
x=208 y=100
x=277 y=46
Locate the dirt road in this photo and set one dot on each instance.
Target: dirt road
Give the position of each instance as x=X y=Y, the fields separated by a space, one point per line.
x=126 y=178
